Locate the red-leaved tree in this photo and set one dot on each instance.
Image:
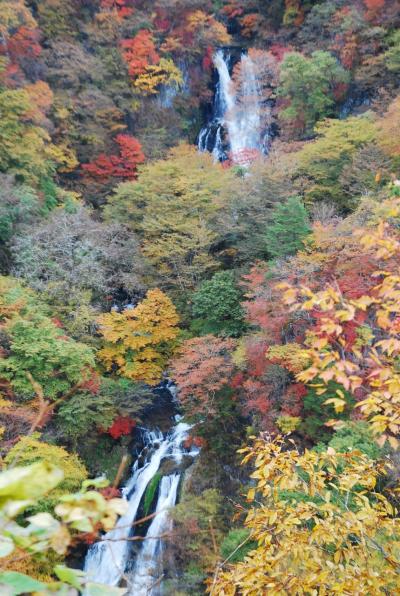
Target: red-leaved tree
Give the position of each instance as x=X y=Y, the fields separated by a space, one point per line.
x=204 y=367
x=139 y=52
x=124 y=165
x=121 y=426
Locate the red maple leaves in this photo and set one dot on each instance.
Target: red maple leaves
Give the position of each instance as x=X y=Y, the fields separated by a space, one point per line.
x=124 y=166
x=139 y=52
x=121 y=426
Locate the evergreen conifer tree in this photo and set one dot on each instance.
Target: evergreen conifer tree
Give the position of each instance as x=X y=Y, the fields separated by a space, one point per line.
x=289 y=226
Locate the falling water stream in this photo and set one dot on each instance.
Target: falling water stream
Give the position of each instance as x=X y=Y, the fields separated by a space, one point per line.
x=238 y=125
x=107 y=561
x=239 y=112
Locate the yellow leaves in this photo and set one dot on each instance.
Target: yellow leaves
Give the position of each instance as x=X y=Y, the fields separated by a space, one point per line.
x=338 y=404
x=331 y=328
x=309 y=539
x=363 y=303
x=63 y=156
x=307 y=375
x=291 y=356
x=380 y=241
x=361 y=354
x=251 y=495
x=394 y=443
x=163 y=73
x=138 y=341
x=290 y=294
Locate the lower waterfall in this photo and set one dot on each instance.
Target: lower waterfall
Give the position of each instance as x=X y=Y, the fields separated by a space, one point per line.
x=107 y=560
x=146 y=577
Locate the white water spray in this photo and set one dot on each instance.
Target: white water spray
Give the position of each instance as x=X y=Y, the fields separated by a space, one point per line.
x=107 y=560
x=147 y=573
x=238 y=110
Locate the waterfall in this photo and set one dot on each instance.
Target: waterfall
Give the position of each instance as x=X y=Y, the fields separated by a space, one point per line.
x=147 y=572
x=239 y=112
x=107 y=560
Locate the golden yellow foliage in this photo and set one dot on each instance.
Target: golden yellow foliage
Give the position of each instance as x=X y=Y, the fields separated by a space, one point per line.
x=371 y=365
x=138 y=341
x=291 y=356
x=163 y=73
x=320 y=527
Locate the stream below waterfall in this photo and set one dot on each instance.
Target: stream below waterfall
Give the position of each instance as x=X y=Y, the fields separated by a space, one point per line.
x=112 y=561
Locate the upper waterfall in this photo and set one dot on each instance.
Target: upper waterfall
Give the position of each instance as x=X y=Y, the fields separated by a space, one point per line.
x=240 y=121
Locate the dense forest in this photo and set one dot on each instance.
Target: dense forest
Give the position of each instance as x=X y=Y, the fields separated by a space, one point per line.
x=199 y=297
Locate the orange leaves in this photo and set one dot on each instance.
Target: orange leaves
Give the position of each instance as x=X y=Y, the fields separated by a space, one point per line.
x=124 y=165
x=374 y=4
x=139 y=341
x=374 y=7
x=250 y=24
x=203 y=368
x=139 y=52
x=147 y=69
x=41 y=100
x=197 y=30
x=206 y=29
x=356 y=342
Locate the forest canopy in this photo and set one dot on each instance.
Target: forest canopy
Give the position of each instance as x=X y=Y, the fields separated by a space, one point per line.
x=199 y=230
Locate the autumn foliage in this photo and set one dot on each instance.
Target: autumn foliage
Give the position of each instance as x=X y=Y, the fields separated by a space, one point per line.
x=139 y=52
x=203 y=368
x=124 y=165
x=318 y=526
x=292 y=249
x=121 y=426
x=138 y=341
x=354 y=341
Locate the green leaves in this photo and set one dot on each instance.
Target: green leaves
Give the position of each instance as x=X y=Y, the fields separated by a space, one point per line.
x=18 y=583
x=73 y=577
x=39 y=347
x=217 y=306
x=25 y=485
x=85 y=511
x=290 y=225
x=309 y=85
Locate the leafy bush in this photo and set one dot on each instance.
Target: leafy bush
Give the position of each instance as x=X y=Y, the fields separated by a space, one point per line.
x=232 y=542
x=30 y=450
x=217 y=308
x=356 y=436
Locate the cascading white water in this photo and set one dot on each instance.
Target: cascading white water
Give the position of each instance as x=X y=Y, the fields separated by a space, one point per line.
x=146 y=576
x=107 y=560
x=238 y=109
